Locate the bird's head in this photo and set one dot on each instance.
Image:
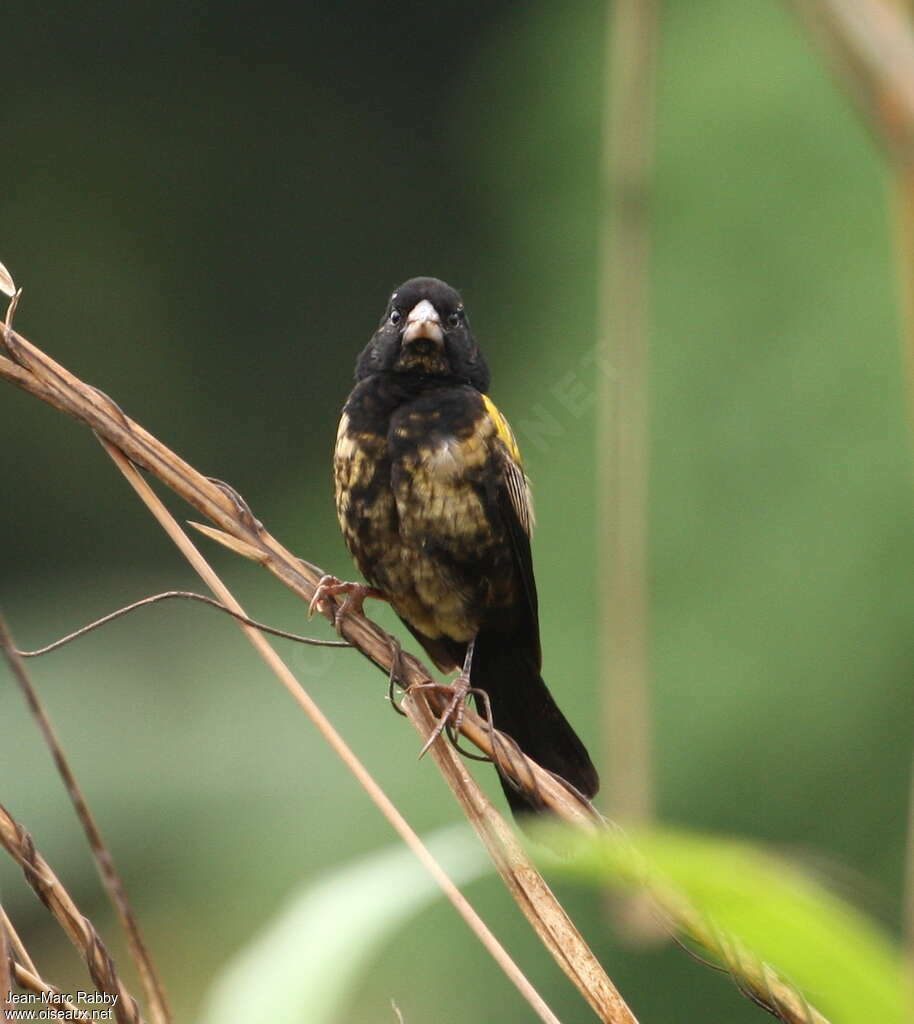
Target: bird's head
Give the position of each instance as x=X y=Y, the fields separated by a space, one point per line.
x=425 y=332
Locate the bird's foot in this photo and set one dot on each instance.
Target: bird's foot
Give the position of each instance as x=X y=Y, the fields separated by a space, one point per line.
x=458 y=693
x=329 y=587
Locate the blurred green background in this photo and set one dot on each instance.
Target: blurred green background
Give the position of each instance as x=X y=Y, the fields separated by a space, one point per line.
x=207 y=206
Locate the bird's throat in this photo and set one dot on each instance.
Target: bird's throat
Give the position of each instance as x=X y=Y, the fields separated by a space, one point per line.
x=423 y=356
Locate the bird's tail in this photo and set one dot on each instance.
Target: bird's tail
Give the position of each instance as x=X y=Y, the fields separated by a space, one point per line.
x=523 y=708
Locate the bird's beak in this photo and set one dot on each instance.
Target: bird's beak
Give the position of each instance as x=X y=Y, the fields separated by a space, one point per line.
x=423 y=322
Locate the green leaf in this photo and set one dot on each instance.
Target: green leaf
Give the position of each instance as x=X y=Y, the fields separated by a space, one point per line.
x=303 y=967
x=718 y=890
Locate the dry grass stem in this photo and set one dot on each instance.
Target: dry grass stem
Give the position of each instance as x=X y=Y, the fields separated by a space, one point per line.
x=25 y=973
x=31 y=982
x=870 y=45
x=186 y=595
x=232 y=543
x=111 y=880
x=622 y=410
x=17 y=948
x=6 y=981
x=339 y=745
x=528 y=887
x=18 y=843
x=902 y=205
x=7 y=284
x=755 y=979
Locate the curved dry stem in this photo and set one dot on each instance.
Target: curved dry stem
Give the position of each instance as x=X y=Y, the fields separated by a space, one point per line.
x=168 y=595
x=870 y=45
x=23 y=972
x=104 y=862
x=6 y=982
x=80 y=931
x=30 y=982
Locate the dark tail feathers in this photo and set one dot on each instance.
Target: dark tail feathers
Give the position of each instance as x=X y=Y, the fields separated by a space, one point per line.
x=523 y=708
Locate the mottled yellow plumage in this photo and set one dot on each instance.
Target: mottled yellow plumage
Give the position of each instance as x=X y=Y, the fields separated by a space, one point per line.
x=430 y=500
x=503 y=429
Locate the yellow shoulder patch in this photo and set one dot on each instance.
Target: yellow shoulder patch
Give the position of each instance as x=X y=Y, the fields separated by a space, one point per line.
x=503 y=429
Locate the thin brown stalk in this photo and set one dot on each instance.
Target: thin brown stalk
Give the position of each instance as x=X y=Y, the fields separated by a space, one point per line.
x=6 y=981
x=33 y=371
x=17 y=948
x=334 y=739
x=31 y=982
x=169 y=595
x=622 y=423
x=80 y=931
x=870 y=47
x=902 y=205
x=157 y=1001
x=755 y=979
x=25 y=974
x=528 y=887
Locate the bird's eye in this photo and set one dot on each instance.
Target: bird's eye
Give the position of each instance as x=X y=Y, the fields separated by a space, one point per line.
x=454 y=319
x=395 y=316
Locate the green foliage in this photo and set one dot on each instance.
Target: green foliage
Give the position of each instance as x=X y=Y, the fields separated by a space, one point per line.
x=731 y=899
x=743 y=903
x=303 y=968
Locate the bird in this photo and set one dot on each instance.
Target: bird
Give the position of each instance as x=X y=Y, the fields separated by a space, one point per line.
x=435 y=508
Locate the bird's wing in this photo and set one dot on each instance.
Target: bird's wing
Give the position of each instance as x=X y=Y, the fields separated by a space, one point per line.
x=515 y=504
x=516 y=482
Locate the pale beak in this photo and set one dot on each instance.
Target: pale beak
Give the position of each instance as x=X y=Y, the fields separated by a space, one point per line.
x=423 y=322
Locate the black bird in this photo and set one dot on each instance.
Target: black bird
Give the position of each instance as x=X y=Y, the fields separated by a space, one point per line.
x=435 y=508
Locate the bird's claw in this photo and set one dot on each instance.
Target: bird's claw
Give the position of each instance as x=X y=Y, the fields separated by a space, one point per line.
x=452 y=717
x=330 y=586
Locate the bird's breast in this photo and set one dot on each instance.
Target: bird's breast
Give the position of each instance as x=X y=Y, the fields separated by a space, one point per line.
x=364 y=501
x=414 y=509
